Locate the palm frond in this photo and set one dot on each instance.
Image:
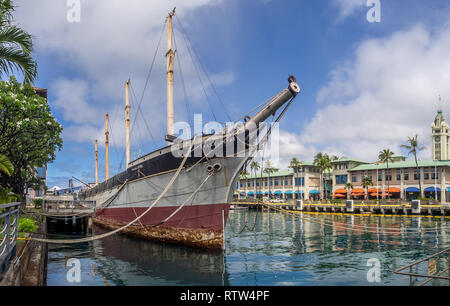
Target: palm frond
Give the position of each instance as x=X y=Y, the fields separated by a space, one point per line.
x=17 y=36
x=12 y=58
x=5 y=165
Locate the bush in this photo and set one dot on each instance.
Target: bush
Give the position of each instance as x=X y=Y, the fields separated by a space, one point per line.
x=38 y=203
x=27 y=225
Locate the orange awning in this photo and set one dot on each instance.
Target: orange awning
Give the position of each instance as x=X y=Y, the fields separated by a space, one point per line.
x=339 y=195
x=374 y=190
x=358 y=190
x=392 y=190
x=340 y=191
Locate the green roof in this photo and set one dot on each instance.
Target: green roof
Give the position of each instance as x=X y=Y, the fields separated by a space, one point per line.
x=279 y=173
x=347 y=159
x=402 y=164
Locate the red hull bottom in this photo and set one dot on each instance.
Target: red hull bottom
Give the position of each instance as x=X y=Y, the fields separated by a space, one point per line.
x=194 y=226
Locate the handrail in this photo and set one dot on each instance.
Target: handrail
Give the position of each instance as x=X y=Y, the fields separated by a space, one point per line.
x=9 y=233
x=429 y=277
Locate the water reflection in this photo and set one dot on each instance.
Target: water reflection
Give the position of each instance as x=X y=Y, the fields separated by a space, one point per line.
x=262 y=248
x=304 y=250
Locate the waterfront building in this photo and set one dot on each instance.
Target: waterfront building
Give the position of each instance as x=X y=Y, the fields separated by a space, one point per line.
x=283 y=184
x=440 y=138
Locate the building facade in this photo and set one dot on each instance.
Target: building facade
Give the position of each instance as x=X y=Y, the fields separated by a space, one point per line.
x=284 y=184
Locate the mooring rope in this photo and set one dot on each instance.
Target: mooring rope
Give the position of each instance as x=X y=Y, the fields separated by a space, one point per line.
x=362 y=228
x=87 y=239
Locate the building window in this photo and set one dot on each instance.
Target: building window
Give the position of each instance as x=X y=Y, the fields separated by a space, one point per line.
x=276 y=182
x=388 y=177
x=354 y=179
x=300 y=181
x=416 y=175
x=380 y=178
x=341 y=179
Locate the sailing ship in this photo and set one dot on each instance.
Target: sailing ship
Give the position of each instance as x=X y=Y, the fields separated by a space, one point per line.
x=180 y=198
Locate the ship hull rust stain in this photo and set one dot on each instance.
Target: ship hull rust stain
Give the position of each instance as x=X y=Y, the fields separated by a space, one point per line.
x=197 y=238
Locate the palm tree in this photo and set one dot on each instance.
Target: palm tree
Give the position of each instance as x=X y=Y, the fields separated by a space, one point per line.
x=5 y=165
x=7 y=168
x=348 y=186
x=295 y=165
x=244 y=176
x=269 y=169
x=323 y=163
x=366 y=182
x=16 y=46
x=385 y=156
x=254 y=166
x=413 y=147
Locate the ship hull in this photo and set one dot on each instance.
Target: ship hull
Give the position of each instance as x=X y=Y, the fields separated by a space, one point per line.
x=199 y=226
x=200 y=220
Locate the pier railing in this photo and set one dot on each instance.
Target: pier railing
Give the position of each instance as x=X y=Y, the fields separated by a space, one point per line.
x=9 y=223
x=430 y=265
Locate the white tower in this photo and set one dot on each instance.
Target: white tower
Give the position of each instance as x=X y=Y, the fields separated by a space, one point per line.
x=440 y=138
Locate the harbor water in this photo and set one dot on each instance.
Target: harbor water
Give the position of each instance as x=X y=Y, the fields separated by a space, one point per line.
x=262 y=249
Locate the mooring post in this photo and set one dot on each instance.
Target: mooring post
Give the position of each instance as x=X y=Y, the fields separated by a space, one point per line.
x=223 y=229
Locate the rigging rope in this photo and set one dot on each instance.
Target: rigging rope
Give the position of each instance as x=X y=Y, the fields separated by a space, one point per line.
x=198 y=75
x=201 y=66
x=172 y=180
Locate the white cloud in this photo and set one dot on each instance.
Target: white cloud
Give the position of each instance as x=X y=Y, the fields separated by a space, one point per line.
x=114 y=41
x=387 y=92
x=348 y=7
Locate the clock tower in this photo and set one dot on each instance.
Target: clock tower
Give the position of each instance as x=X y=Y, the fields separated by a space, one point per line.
x=440 y=138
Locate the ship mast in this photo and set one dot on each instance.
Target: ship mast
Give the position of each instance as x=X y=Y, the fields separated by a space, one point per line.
x=106 y=147
x=127 y=122
x=96 y=162
x=170 y=55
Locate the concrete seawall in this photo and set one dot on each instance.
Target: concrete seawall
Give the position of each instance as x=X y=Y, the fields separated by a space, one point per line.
x=29 y=266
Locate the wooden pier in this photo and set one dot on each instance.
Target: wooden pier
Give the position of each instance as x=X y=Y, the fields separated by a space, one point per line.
x=70 y=213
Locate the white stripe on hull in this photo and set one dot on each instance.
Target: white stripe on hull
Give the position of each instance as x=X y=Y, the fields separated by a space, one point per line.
x=142 y=193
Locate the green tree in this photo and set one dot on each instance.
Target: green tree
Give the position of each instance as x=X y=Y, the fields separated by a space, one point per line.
x=366 y=182
x=269 y=169
x=413 y=147
x=323 y=163
x=296 y=165
x=16 y=46
x=385 y=156
x=29 y=134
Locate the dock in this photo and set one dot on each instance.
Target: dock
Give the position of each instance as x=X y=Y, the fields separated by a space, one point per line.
x=67 y=211
x=358 y=208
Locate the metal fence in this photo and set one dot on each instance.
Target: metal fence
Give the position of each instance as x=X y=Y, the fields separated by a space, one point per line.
x=9 y=223
x=434 y=267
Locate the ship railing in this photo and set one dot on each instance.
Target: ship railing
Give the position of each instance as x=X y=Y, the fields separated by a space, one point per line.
x=9 y=221
x=429 y=266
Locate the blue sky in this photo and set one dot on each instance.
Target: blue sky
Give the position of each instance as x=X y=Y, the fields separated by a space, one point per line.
x=365 y=86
